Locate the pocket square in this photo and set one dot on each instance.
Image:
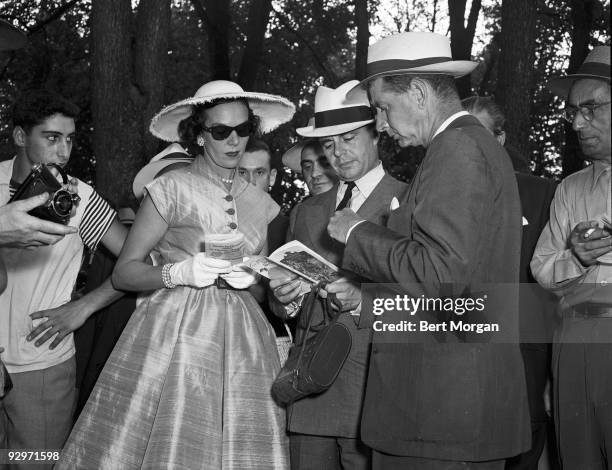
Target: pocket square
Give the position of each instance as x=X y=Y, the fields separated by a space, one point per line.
x=394 y=204
x=525 y=222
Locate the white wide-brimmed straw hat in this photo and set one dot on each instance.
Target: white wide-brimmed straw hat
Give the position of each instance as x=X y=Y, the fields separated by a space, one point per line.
x=292 y=158
x=11 y=37
x=272 y=110
x=596 y=66
x=335 y=113
x=414 y=53
x=173 y=153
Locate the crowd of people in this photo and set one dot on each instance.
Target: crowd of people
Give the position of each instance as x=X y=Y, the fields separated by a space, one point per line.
x=177 y=348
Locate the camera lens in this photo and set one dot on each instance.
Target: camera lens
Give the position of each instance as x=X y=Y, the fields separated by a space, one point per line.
x=62 y=203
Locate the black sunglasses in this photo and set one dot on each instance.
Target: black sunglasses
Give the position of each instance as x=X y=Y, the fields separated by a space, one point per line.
x=222 y=132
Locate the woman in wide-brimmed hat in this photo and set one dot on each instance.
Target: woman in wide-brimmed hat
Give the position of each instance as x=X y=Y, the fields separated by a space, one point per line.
x=188 y=384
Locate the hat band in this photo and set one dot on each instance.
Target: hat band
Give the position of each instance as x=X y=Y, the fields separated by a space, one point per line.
x=390 y=65
x=336 y=117
x=595 y=68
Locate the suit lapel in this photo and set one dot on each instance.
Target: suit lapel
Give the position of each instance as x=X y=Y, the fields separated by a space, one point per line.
x=375 y=204
x=317 y=217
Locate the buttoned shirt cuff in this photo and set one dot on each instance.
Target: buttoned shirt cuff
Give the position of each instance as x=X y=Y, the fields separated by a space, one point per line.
x=348 y=233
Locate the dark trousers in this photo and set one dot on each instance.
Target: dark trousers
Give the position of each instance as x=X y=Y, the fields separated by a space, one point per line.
x=582 y=371
x=382 y=461
x=328 y=453
x=536 y=358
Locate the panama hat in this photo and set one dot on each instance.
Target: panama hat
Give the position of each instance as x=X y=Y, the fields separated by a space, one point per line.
x=272 y=110
x=292 y=158
x=335 y=113
x=414 y=53
x=173 y=153
x=11 y=37
x=596 y=65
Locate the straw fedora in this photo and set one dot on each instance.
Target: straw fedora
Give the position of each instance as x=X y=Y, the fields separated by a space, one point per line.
x=292 y=158
x=335 y=113
x=414 y=53
x=11 y=37
x=596 y=65
x=272 y=110
x=173 y=153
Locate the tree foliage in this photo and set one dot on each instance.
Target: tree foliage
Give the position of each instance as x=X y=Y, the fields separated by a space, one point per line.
x=169 y=48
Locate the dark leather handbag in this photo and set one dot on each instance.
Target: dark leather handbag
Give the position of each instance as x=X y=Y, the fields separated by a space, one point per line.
x=317 y=356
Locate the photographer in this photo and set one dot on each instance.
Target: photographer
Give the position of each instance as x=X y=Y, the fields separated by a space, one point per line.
x=36 y=307
x=17 y=228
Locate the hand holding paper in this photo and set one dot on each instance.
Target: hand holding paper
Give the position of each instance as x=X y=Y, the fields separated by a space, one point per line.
x=198 y=271
x=240 y=277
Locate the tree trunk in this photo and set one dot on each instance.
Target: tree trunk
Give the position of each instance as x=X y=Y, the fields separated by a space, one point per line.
x=515 y=81
x=583 y=13
x=462 y=36
x=151 y=52
x=363 y=37
x=216 y=16
x=114 y=146
x=259 y=14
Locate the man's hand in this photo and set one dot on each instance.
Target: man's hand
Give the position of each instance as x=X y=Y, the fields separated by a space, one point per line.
x=60 y=321
x=19 y=229
x=348 y=292
x=286 y=286
x=588 y=242
x=341 y=222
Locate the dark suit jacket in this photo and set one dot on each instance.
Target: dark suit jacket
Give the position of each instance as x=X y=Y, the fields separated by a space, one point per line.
x=460 y=223
x=337 y=411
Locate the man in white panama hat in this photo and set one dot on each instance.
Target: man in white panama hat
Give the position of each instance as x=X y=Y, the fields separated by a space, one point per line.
x=573 y=259
x=325 y=427
x=432 y=403
x=308 y=159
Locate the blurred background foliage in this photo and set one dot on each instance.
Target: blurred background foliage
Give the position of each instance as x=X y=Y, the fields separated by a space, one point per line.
x=120 y=61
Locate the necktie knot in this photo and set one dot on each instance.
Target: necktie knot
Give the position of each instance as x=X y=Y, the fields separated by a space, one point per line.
x=347 y=195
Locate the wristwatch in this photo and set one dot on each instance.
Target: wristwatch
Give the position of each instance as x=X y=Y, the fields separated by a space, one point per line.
x=293 y=307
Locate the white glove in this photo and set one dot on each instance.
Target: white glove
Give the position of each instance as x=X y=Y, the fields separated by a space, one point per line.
x=198 y=271
x=240 y=277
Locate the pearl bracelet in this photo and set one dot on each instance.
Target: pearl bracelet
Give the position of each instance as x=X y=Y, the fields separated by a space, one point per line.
x=166 y=279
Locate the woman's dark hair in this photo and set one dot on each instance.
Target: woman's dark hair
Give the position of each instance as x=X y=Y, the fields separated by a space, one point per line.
x=34 y=106
x=191 y=127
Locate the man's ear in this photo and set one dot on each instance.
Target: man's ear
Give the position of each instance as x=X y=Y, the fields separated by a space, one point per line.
x=19 y=136
x=419 y=91
x=501 y=138
x=272 y=177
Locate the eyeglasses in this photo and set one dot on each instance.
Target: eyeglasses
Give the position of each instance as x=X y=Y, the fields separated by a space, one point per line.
x=587 y=111
x=222 y=132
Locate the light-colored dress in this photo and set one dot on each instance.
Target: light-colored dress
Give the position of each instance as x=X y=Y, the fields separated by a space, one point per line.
x=188 y=384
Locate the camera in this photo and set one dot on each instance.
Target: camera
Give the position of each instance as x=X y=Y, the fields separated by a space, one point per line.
x=60 y=203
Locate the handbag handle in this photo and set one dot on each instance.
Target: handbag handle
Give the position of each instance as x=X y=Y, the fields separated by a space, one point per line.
x=309 y=309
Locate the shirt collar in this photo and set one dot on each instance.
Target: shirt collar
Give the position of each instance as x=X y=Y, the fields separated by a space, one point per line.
x=446 y=123
x=599 y=168
x=368 y=182
x=5 y=178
